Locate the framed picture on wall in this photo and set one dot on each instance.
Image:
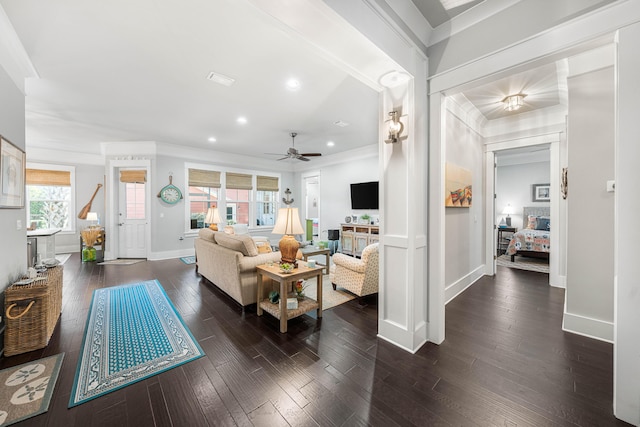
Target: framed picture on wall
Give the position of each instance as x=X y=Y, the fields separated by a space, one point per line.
x=541 y=192
x=12 y=170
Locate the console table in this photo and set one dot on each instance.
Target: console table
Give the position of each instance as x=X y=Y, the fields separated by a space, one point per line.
x=286 y=280
x=356 y=237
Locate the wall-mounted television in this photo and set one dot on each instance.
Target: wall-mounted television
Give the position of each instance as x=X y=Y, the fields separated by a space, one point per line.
x=364 y=195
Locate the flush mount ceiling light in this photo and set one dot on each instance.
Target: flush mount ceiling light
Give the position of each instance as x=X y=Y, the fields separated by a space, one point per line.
x=513 y=102
x=330 y=144
x=242 y=120
x=212 y=139
x=394 y=78
x=220 y=79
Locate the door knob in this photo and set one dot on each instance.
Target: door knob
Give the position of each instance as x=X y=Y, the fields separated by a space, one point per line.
x=121 y=224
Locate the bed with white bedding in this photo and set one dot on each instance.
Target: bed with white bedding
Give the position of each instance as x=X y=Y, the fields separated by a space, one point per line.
x=534 y=239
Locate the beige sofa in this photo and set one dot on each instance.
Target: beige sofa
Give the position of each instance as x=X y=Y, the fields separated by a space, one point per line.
x=229 y=261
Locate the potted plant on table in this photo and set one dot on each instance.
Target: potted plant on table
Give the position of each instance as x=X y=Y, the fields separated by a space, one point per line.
x=299 y=288
x=365 y=219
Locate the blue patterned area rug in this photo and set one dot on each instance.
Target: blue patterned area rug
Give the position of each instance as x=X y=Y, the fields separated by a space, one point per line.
x=188 y=259
x=133 y=332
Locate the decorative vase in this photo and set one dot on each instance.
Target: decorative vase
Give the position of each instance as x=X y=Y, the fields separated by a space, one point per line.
x=88 y=254
x=300 y=296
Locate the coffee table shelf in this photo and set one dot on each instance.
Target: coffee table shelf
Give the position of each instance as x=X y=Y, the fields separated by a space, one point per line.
x=304 y=306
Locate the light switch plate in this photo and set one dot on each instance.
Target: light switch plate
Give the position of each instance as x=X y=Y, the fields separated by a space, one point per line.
x=611 y=186
x=19 y=224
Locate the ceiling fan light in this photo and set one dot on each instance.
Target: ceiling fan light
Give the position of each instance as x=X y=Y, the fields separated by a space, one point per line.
x=513 y=102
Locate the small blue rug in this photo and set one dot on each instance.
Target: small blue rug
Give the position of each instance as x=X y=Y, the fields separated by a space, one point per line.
x=188 y=259
x=132 y=332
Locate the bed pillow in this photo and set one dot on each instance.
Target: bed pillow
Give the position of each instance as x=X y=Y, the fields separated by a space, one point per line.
x=531 y=224
x=542 y=223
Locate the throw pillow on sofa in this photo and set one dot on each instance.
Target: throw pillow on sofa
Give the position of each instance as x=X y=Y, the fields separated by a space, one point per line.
x=241 y=243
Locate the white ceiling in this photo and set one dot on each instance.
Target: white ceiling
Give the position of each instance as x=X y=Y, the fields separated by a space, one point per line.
x=543 y=87
x=137 y=71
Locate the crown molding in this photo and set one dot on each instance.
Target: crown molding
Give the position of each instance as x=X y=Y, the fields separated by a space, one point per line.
x=13 y=56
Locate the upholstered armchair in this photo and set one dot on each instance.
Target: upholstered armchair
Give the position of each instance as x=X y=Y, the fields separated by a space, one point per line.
x=359 y=276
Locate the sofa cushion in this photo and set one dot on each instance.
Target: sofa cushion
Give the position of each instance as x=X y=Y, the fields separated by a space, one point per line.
x=240 y=229
x=207 y=234
x=242 y=243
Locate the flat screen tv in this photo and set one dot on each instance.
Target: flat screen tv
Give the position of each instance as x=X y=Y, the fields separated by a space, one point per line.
x=364 y=195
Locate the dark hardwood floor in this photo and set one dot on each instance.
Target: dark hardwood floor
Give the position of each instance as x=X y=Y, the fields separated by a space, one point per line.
x=505 y=362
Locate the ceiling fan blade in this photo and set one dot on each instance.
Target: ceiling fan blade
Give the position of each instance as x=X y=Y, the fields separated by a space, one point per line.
x=304 y=159
x=285 y=157
x=311 y=154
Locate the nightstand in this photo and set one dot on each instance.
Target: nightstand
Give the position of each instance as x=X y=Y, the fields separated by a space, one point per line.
x=504 y=237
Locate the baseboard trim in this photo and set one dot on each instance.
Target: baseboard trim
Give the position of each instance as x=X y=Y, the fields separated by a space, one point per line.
x=456 y=288
x=588 y=327
x=157 y=256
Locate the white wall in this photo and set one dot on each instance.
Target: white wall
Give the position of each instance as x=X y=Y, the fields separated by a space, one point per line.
x=464 y=231
x=335 y=190
x=13 y=249
x=513 y=186
x=590 y=231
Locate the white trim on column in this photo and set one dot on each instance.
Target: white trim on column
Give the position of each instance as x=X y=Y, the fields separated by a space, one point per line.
x=437 y=150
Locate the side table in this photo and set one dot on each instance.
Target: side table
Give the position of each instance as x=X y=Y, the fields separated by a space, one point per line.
x=286 y=280
x=503 y=242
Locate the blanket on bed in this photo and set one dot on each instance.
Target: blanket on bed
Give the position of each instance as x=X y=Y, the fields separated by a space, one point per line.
x=529 y=240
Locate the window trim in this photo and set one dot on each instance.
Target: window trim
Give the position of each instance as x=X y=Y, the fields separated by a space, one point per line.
x=72 y=202
x=222 y=196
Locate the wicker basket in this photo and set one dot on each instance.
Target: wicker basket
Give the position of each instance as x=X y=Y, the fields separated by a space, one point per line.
x=32 y=312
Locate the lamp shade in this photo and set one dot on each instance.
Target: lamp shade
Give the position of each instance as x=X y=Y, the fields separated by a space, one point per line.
x=92 y=216
x=213 y=218
x=288 y=222
x=508 y=210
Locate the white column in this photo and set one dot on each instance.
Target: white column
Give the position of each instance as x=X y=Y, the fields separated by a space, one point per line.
x=403 y=303
x=626 y=362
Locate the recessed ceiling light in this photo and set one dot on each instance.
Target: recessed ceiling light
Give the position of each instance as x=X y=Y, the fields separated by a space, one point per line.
x=212 y=139
x=330 y=144
x=293 y=84
x=340 y=123
x=242 y=120
x=220 y=79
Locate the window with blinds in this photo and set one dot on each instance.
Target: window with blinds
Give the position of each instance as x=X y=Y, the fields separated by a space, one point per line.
x=49 y=198
x=266 y=199
x=241 y=198
x=204 y=190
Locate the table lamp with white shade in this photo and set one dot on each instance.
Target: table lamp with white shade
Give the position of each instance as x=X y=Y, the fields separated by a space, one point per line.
x=288 y=224
x=92 y=217
x=213 y=218
x=508 y=210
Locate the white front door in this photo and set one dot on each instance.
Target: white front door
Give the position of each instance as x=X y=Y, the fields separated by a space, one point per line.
x=132 y=220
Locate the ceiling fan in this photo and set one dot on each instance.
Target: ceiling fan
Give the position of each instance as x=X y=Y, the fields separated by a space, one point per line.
x=292 y=152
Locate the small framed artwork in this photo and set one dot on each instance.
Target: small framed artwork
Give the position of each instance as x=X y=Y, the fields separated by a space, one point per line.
x=12 y=170
x=541 y=192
